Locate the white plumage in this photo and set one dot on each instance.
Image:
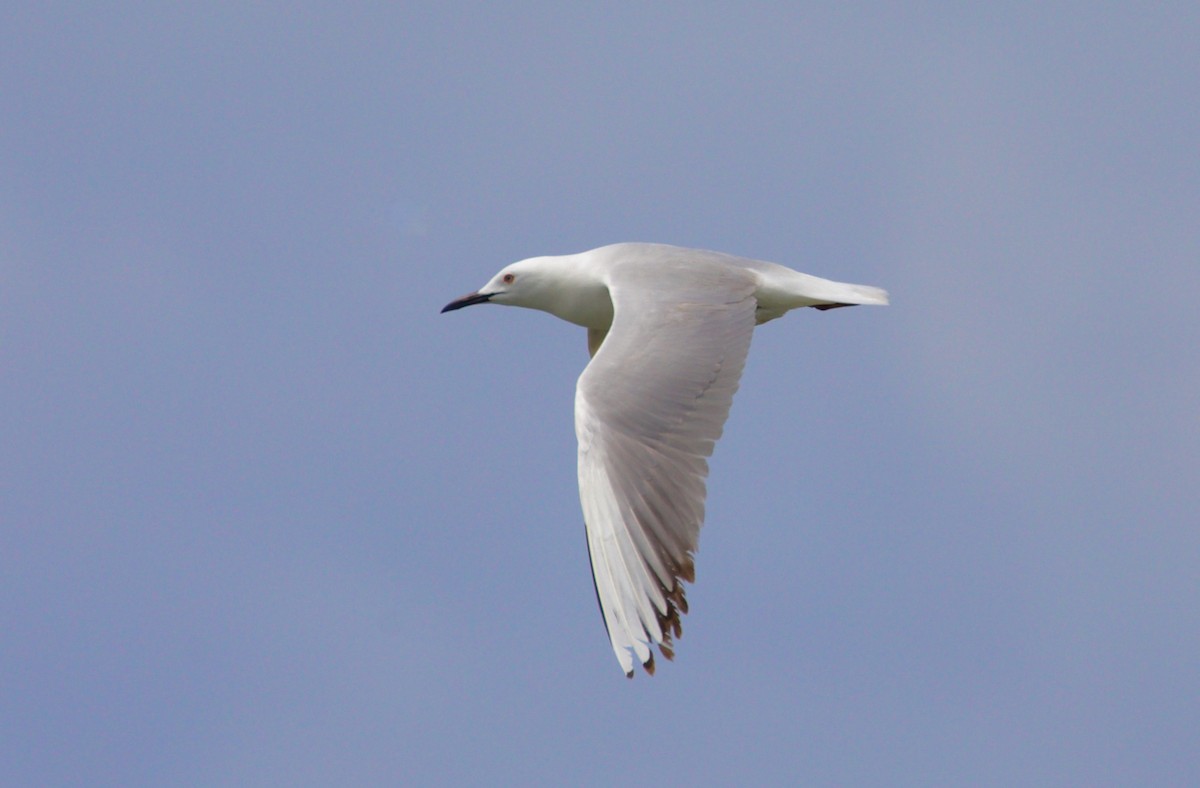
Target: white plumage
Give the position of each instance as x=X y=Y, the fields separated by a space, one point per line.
x=668 y=329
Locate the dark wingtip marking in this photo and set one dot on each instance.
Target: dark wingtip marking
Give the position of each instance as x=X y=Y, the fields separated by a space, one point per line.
x=669 y=621
x=823 y=307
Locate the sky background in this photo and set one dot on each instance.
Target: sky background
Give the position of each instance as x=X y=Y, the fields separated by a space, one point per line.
x=266 y=517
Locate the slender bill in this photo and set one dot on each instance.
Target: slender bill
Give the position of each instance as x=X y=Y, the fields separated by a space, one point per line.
x=467 y=300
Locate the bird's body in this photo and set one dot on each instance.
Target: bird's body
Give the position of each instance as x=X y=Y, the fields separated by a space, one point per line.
x=668 y=329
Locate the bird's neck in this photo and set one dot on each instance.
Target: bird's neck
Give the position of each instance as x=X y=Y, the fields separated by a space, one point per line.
x=580 y=297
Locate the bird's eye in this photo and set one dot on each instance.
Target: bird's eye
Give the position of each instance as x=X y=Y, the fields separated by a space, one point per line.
x=508 y=279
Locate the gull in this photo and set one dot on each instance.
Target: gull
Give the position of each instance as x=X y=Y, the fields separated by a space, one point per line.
x=668 y=330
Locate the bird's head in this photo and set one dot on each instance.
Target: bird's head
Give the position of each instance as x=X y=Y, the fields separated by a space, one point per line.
x=564 y=286
x=520 y=284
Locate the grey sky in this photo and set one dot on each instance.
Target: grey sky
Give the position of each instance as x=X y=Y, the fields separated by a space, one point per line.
x=266 y=517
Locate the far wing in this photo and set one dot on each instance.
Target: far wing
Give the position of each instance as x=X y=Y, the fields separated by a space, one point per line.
x=648 y=410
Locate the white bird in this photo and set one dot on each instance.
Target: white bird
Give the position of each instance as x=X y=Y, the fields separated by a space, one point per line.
x=668 y=332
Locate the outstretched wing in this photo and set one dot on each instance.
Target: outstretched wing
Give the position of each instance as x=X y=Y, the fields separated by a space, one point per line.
x=648 y=409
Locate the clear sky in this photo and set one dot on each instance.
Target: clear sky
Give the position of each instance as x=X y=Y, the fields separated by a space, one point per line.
x=266 y=517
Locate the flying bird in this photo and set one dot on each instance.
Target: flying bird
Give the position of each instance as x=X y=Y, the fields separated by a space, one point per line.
x=668 y=330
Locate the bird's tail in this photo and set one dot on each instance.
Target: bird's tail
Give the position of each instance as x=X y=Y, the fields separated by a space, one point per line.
x=807 y=290
x=835 y=294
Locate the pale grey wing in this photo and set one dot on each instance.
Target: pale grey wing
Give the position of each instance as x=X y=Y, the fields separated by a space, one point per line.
x=648 y=410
